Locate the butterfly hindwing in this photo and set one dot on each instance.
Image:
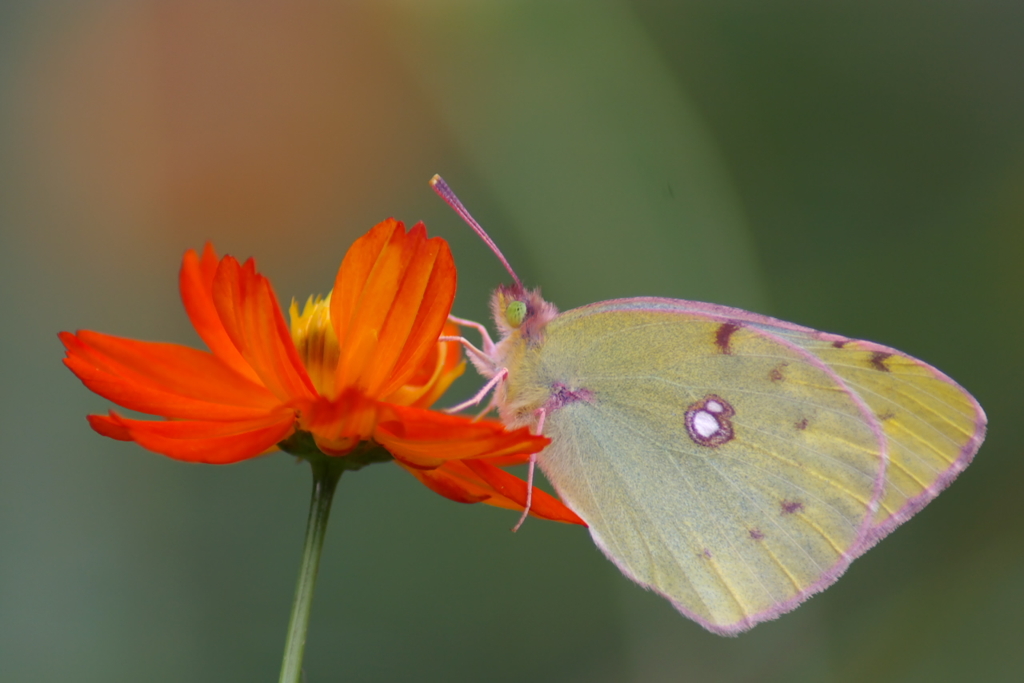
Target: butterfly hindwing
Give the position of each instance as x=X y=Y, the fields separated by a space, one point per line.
x=932 y=426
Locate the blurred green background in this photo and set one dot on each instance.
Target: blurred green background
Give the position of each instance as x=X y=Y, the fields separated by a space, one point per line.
x=857 y=167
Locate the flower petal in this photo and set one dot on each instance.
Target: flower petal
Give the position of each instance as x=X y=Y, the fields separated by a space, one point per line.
x=513 y=489
x=426 y=439
x=163 y=379
x=451 y=483
x=391 y=299
x=216 y=443
x=438 y=369
x=510 y=460
x=195 y=282
x=478 y=481
x=252 y=319
x=110 y=426
x=338 y=424
x=419 y=313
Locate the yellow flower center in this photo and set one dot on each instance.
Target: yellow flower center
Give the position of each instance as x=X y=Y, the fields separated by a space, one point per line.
x=316 y=342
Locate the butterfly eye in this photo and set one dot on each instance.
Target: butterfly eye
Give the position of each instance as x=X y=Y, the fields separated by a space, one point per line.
x=515 y=313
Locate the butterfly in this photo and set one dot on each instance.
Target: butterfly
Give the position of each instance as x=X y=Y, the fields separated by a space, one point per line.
x=733 y=463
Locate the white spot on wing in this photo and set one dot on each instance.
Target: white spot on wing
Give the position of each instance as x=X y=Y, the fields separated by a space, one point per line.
x=705 y=424
x=707 y=421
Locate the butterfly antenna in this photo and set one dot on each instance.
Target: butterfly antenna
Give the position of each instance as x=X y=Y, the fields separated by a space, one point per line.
x=445 y=193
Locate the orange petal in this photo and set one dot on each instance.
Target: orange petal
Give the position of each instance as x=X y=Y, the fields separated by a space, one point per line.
x=509 y=460
x=339 y=424
x=442 y=366
x=426 y=439
x=419 y=312
x=513 y=489
x=391 y=299
x=109 y=425
x=216 y=443
x=460 y=481
x=452 y=367
x=450 y=485
x=195 y=282
x=163 y=379
x=176 y=369
x=252 y=319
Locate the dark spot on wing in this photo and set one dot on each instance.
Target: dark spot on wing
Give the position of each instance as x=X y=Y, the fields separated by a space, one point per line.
x=776 y=373
x=878 y=359
x=839 y=344
x=706 y=553
x=562 y=395
x=791 y=506
x=756 y=534
x=802 y=424
x=887 y=415
x=722 y=335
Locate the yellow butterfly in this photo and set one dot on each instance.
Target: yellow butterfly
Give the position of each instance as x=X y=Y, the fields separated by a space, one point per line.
x=731 y=462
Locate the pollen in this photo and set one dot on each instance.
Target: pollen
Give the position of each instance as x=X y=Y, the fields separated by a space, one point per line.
x=316 y=341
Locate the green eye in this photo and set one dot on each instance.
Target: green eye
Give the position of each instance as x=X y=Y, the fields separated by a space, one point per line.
x=515 y=313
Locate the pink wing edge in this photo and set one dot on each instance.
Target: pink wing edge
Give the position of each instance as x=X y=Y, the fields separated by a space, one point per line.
x=869 y=534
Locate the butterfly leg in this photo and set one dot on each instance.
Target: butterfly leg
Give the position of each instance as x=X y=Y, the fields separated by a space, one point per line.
x=541 y=414
x=491 y=405
x=477 y=398
x=480 y=359
x=488 y=344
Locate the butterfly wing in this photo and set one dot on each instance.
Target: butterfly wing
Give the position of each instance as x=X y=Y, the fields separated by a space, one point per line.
x=932 y=426
x=733 y=464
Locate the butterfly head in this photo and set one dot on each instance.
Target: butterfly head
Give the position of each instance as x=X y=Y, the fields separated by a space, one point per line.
x=517 y=309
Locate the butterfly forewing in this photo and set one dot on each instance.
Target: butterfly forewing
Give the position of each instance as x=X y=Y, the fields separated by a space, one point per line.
x=721 y=465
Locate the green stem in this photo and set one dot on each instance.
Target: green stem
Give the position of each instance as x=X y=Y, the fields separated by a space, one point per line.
x=326 y=473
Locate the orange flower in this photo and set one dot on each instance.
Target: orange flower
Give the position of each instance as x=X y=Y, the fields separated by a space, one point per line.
x=359 y=366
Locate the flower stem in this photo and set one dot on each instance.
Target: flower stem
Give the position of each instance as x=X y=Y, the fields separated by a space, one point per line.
x=326 y=473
